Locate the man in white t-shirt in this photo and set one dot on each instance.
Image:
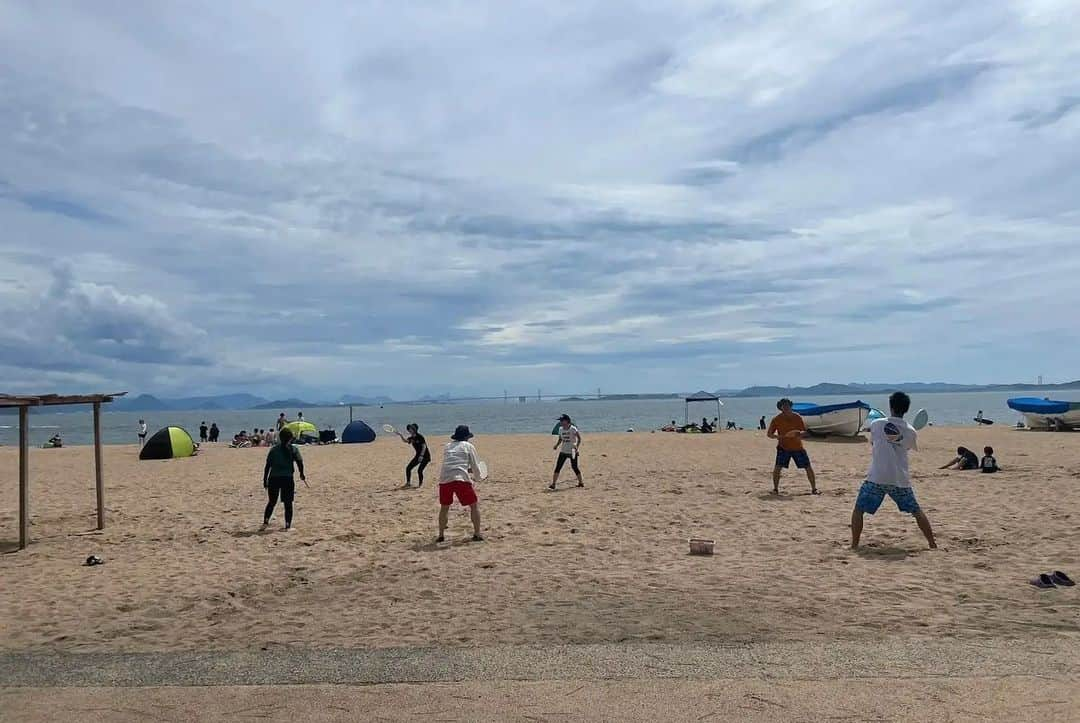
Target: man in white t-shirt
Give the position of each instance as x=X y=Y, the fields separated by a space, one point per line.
x=568 y=445
x=459 y=466
x=891 y=439
x=142 y=432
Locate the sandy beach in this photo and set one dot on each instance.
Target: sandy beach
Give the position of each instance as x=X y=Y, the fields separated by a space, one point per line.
x=187 y=569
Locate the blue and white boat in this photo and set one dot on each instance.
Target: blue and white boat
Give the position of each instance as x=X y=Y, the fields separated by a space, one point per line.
x=1047 y=413
x=846 y=419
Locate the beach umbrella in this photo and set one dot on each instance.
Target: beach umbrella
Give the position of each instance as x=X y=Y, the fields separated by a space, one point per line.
x=300 y=428
x=168 y=443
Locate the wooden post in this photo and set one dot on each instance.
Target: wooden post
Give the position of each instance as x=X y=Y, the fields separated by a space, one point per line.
x=99 y=478
x=24 y=478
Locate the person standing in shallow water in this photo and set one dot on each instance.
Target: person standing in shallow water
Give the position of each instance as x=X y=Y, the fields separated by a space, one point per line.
x=142 y=432
x=204 y=432
x=214 y=432
x=278 y=477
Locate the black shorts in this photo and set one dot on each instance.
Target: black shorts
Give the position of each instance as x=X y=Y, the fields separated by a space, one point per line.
x=563 y=456
x=285 y=486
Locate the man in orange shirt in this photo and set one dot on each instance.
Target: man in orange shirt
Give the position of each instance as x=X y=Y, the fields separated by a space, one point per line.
x=788 y=429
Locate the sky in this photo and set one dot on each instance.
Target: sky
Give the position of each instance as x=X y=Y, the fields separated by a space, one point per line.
x=316 y=199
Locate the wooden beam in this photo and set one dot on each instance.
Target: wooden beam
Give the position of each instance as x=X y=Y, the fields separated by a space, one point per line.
x=98 y=477
x=24 y=478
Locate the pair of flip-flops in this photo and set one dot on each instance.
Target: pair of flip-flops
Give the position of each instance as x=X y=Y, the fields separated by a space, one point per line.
x=93 y=560
x=1052 y=579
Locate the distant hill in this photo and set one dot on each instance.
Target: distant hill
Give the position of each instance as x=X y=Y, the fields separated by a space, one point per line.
x=141 y=403
x=284 y=404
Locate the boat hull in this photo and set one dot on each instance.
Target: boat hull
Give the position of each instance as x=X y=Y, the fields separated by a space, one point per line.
x=1069 y=419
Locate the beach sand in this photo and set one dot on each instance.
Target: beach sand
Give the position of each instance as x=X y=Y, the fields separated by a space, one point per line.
x=187 y=569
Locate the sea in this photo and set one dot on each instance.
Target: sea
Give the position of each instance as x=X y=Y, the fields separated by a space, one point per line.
x=75 y=424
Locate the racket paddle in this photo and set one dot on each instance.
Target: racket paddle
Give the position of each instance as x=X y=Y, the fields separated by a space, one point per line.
x=482 y=469
x=922 y=418
x=389 y=429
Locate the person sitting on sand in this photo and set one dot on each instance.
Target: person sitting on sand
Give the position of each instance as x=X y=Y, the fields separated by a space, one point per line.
x=55 y=442
x=569 y=444
x=460 y=466
x=891 y=439
x=706 y=428
x=421 y=454
x=988 y=464
x=669 y=427
x=965 y=459
x=278 y=477
x=731 y=424
x=788 y=429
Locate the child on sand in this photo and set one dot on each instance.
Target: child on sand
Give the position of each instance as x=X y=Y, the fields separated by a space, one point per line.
x=891 y=438
x=989 y=463
x=278 y=477
x=788 y=428
x=460 y=464
x=570 y=442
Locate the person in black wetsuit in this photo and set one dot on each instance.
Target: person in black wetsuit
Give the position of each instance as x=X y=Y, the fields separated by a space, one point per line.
x=964 y=459
x=421 y=457
x=278 y=477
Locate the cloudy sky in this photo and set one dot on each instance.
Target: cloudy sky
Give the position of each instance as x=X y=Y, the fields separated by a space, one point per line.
x=411 y=197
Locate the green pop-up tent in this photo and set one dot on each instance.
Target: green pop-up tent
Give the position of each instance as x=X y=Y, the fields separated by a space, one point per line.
x=168 y=443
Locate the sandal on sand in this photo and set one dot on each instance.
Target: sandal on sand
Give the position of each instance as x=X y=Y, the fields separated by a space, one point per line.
x=1044 y=582
x=477 y=538
x=1059 y=578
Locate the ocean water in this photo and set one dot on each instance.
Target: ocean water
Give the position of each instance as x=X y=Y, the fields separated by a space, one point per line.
x=75 y=424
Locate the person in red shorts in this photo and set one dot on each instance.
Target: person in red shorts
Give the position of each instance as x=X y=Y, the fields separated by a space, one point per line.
x=460 y=464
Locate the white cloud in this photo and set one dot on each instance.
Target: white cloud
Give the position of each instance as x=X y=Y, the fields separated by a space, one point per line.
x=505 y=194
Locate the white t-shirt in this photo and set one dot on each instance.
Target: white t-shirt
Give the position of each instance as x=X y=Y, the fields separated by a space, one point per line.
x=569 y=437
x=142 y=428
x=459 y=462
x=891 y=439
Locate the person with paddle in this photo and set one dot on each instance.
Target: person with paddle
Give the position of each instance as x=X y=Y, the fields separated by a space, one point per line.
x=278 y=477
x=460 y=464
x=788 y=429
x=891 y=439
x=421 y=457
x=570 y=443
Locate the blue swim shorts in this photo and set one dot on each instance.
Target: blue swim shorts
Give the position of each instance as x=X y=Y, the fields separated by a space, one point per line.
x=871 y=496
x=784 y=458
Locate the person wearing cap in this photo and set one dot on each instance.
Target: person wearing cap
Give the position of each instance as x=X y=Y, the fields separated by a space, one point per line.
x=460 y=465
x=570 y=443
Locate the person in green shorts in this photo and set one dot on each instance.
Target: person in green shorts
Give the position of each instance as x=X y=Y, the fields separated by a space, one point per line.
x=278 y=477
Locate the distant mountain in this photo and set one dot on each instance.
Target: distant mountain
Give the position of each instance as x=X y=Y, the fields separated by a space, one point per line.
x=284 y=404
x=224 y=401
x=141 y=403
x=150 y=403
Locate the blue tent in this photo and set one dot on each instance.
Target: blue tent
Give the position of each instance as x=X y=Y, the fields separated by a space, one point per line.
x=357 y=433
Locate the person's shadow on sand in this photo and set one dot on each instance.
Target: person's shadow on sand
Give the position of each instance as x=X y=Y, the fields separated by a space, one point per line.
x=885 y=552
x=442 y=546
